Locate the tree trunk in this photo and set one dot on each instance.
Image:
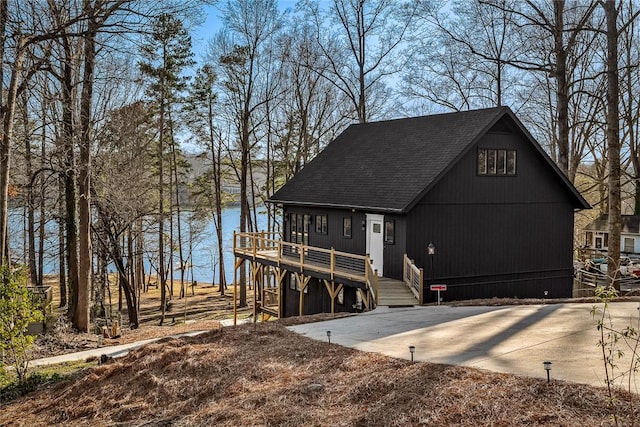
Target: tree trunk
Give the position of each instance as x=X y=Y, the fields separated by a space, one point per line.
x=562 y=90
x=31 y=221
x=244 y=204
x=161 y=271
x=62 y=271
x=8 y=112
x=81 y=315
x=613 y=145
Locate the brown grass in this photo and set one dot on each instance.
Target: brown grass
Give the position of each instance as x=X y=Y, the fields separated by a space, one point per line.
x=266 y=375
x=203 y=311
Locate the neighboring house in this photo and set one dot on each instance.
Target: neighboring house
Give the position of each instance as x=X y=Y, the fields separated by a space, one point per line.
x=497 y=210
x=597 y=234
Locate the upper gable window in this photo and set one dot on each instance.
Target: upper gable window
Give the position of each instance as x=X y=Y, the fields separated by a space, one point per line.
x=496 y=162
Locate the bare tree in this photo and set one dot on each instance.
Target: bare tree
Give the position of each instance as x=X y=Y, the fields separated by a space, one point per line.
x=360 y=39
x=613 y=143
x=249 y=25
x=545 y=28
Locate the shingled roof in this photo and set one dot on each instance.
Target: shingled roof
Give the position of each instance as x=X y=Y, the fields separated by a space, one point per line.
x=387 y=166
x=630 y=224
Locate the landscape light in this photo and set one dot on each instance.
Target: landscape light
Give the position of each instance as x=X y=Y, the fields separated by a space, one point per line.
x=547 y=367
x=329 y=336
x=412 y=349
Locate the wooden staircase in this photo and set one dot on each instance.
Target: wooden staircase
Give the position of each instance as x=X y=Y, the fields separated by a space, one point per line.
x=394 y=293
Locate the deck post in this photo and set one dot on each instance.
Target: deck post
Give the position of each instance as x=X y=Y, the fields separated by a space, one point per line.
x=333 y=297
x=255 y=289
x=421 y=288
x=235 y=289
x=375 y=286
x=254 y=244
x=332 y=263
x=281 y=275
x=301 y=298
x=279 y=252
x=404 y=267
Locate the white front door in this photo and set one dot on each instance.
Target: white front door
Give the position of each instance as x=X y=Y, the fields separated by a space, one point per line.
x=375 y=241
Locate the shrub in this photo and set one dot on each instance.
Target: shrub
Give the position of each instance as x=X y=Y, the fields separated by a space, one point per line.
x=17 y=310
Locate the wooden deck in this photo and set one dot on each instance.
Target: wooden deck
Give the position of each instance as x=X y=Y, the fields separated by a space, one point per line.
x=329 y=263
x=335 y=269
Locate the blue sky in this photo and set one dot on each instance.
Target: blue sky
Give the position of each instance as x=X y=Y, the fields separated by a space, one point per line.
x=203 y=33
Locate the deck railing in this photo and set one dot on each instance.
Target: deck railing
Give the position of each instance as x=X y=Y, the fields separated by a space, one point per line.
x=336 y=264
x=413 y=278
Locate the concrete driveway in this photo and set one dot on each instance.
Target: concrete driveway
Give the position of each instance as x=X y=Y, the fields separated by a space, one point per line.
x=511 y=339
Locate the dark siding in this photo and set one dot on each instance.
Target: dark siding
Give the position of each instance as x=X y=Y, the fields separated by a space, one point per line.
x=317 y=300
x=357 y=244
x=393 y=254
x=334 y=238
x=496 y=236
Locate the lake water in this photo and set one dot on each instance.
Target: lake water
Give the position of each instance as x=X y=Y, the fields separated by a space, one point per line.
x=205 y=244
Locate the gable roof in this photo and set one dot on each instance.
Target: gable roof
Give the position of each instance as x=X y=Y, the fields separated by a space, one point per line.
x=388 y=166
x=630 y=224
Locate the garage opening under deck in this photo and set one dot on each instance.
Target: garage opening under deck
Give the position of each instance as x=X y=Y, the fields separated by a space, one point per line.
x=270 y=259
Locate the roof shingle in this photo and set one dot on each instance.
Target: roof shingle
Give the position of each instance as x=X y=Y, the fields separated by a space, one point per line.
x=387 y=165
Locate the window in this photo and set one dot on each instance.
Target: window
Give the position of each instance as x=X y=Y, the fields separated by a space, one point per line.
x=376 y=228
x=491 y=162
x=496 y=162
x=300 y=228
x=482 y=162
x=502 y=162
x=602 y=240
x=294 y=284
x=389 y=232
x=511 y=162
x=321 y=224
x=629 y=244
x=346 y=227
x=588 y=240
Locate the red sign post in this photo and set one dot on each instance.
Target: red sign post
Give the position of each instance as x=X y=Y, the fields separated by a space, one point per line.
x=438 y=288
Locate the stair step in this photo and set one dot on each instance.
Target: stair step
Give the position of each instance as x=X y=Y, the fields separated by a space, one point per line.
x=394 y=293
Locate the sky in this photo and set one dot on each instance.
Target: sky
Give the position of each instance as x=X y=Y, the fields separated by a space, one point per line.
x=203 y=33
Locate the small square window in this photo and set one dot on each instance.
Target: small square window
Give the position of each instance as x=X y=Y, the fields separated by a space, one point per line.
x=377 y=228
x=389 y=232
x=496 y=162
x=346 y=227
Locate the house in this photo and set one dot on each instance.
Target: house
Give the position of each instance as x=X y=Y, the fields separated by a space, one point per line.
x=469 y=196
x=596 y=234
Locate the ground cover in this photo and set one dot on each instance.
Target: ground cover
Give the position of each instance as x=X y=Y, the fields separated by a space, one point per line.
x=263 y=374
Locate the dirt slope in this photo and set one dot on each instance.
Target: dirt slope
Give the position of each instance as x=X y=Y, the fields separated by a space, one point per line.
x=265 y=375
